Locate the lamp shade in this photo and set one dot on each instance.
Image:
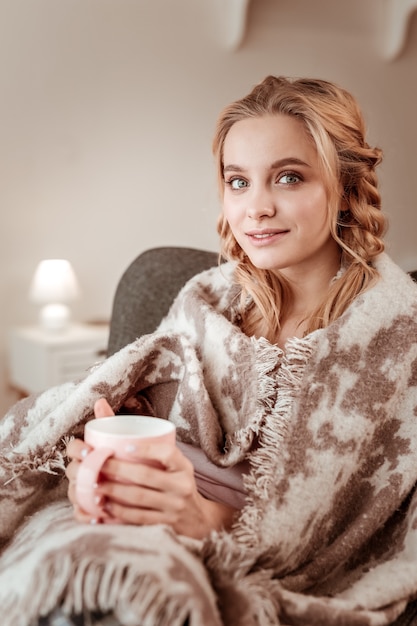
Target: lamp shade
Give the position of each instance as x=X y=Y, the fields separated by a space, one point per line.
x=54 y=281
x=53 y=286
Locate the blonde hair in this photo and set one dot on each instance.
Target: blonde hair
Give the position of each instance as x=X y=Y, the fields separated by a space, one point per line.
x=332 y=118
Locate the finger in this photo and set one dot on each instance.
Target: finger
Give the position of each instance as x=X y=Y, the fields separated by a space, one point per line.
x=140 y=517
x=71 y=471
x=102 y=408
x=118 y=473
x=79 y=513
x=138 y=497
x=168 y=456
x=87 y=518
x=77 y=449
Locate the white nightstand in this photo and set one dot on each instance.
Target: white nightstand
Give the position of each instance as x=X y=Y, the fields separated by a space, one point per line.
x=40 y=359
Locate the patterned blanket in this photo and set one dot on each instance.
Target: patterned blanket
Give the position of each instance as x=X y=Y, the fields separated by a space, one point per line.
x=329 y=532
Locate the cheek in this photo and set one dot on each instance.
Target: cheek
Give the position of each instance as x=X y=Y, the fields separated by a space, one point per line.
x=233 y=217
x=230 y=211
x=314 y=213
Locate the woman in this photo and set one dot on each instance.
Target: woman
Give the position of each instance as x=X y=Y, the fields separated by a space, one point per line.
x=291 y=375
x=300 y=208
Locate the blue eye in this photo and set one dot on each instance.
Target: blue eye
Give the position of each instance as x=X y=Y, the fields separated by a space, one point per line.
x=237 y=183
x=289 y=178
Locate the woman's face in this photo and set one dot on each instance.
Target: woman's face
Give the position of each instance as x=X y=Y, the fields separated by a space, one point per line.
x=275 y=199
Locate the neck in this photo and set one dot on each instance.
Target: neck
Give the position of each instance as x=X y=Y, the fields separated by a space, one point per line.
x=309 y=281
x=310 y=291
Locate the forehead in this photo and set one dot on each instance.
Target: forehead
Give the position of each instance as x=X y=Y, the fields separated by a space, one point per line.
x=268 y=136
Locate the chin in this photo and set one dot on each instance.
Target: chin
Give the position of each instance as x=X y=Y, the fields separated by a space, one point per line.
x=264 y=262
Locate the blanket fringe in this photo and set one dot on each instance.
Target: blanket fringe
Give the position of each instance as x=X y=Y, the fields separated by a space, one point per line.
x=245 y=599
x=143 y=575
x=267 y=358
x=130 y=598
x=264 y=465
x=15 y=465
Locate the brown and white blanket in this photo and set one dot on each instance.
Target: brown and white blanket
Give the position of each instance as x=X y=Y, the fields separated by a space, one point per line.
x=329 y=532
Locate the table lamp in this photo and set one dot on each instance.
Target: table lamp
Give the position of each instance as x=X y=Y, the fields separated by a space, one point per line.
x=54 y=285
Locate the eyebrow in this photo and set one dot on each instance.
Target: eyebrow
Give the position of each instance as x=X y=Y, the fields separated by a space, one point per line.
x=279 y=163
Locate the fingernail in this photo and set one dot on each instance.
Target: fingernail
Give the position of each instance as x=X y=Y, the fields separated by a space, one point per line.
x=99 y=500
x=84 y=452
x=94 y=520
x=130 y=448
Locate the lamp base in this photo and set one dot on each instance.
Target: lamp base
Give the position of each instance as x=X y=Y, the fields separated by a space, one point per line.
x=54 y=317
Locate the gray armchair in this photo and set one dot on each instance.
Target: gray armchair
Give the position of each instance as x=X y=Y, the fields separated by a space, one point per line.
x=148 y=287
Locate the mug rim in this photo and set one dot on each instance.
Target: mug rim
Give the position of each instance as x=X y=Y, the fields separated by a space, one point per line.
x=164 y=426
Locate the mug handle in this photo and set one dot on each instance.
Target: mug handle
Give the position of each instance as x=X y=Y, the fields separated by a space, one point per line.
x=87 y=479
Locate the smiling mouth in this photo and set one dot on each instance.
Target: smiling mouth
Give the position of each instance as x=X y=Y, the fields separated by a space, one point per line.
x=263 y=236
x=267 y=235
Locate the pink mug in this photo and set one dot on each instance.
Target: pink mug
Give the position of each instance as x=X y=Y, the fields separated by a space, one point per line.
x=118 y=436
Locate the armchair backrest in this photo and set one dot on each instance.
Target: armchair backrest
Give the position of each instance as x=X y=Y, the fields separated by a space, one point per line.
x=148 y=287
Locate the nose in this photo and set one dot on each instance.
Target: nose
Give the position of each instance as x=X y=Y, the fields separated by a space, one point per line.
x=261 y=204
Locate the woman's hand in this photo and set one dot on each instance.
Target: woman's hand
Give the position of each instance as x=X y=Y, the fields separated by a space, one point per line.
x=77 y=449
x=151 y=495
x=132 y=492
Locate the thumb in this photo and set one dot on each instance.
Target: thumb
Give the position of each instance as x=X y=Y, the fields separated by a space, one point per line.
x=102 y=408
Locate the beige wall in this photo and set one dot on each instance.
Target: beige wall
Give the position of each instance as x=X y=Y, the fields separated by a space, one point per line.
x=107 y=110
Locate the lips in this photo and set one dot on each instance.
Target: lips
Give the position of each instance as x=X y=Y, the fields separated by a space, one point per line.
x=265 y=237
x=261 y=234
